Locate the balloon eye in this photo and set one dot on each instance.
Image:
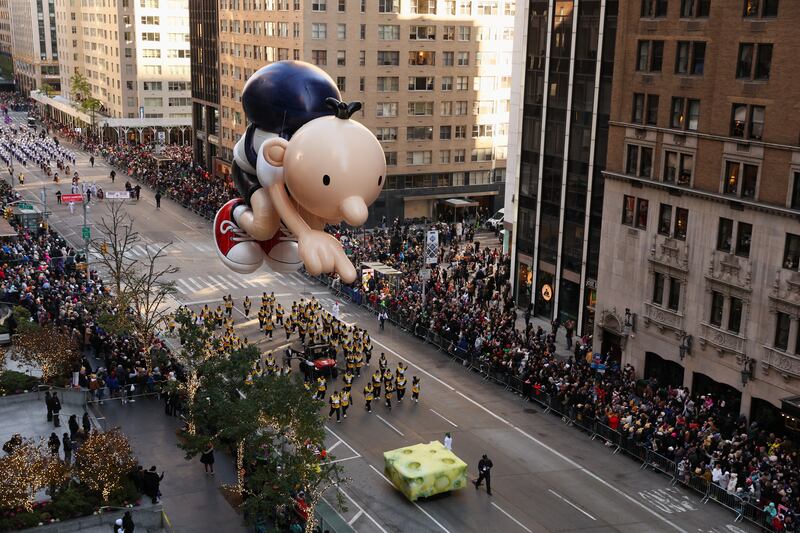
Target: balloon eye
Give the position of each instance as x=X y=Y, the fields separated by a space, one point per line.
x=326 y=180
x=380 y=180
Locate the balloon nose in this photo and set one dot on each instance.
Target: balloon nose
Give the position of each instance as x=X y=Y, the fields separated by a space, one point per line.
x=354 y=210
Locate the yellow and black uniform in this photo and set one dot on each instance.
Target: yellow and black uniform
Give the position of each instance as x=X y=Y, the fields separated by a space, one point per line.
x=287 y=326
x=359 y=364
x=415 y=389
x=401 y=388
x=218 y=316
x=350 y=362
x=171 y=324
x=376 y=382
x=383 y=364
x=335 y=401
x=268 y=326
x=279 y=314
x=322 y=387
x=246 y=304
x=348 y=380
x=387 y=394
x=229 y=305
x=401 y=369
x=369 y=395
x=261 y=314
x=345 y=401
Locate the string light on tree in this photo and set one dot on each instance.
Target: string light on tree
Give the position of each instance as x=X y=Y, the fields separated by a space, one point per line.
x=104 y=460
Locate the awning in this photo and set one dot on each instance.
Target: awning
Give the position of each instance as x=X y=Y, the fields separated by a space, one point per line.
x=381 y=269
x=6 y=230
x=459 y=202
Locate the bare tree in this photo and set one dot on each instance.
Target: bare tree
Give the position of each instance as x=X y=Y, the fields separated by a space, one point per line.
x=114 y=246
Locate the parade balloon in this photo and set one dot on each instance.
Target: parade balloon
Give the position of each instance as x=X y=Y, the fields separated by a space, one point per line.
x=303 y=163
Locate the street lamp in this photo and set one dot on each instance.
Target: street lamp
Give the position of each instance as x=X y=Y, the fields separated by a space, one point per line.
x=630 y=322
x=747 y=369
x=686 y=346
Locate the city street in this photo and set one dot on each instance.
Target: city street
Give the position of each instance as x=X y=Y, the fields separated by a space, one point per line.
x=546 y=476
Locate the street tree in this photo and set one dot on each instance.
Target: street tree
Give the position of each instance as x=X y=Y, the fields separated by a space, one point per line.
x=104 y=461
x=28 y=469
x=79 y=86
x=48 y=349
x=113 y=247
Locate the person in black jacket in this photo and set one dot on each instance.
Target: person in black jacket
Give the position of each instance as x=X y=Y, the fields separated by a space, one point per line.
x=485 y=472
x=73 y=426
x=56 y=405
x=127 y=522
x=48 y=401
x=151 y=483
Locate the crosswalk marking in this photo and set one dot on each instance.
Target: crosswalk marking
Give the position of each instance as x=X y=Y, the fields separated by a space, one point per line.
x=237 y=281
x=196 y=284
x=185 y=284
x=221 y=282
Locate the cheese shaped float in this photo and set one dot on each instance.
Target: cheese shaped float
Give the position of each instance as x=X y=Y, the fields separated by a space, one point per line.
x=423 y=470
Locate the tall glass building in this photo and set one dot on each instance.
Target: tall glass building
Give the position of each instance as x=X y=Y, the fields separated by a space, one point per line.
x=557 y=151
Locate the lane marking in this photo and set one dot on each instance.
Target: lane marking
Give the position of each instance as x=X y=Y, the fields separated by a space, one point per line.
x=443 y=418
x=199 y=287
x=331 y=448
x=560 y=497
x=220 y=282
x=183 y=282
x=391 y=426
x=342 y=460
x=520 y=524
x=379 y=343
x=179 y=289
x=426 y=513
x=329 y=430
x=340 y=489
x=237 y=281
x=356 y=517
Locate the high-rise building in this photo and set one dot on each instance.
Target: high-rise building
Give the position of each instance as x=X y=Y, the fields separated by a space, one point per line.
x=34 y=45
x=204 y=37
x=5 y=35
x=434 y=79
x=698 y=275
x=563 y=67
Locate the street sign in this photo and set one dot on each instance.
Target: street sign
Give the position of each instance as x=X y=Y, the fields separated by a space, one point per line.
x=162 y=137
x=425 y=274
x=67 y=198
x=86 y=232
x=24 y=205
x=432 y=248
x=117 y=195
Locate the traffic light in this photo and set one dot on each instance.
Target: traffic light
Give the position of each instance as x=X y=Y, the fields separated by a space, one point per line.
x=8 y=213
x=103 y=248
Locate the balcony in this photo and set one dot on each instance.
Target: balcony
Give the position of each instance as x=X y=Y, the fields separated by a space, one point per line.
x=721 y=340
x=670 y=252
x=787 y=365
x=785 y=291
x=663 y=318
x=731 y=270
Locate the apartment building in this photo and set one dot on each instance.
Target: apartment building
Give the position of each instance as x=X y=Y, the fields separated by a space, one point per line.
x=434 y=79
x=34 y=45
x=135 y=56
x=699 y=281
x=563 y=66
x=5 y=30
x=204 y=38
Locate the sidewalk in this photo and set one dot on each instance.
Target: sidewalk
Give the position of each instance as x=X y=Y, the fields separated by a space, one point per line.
x=192 y=500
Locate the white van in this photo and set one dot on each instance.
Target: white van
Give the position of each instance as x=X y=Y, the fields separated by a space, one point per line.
x=496 y=219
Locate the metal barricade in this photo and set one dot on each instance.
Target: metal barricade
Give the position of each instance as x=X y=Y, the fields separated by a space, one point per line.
x=726 y=499
x=611 y=437
x=662 y=464
x=584 y=423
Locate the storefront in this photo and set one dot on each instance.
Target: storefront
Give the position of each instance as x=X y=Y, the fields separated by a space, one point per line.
x=664 y=371
x=524 y=283
x=703 y=385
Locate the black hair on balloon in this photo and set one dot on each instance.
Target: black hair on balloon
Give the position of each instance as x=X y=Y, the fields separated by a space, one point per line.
x=342 y=110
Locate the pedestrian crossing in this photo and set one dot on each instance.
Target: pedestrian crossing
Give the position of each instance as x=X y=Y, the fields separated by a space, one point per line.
x=227 y=282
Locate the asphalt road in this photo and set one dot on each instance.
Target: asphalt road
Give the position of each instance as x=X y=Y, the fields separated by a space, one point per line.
x=546 y=476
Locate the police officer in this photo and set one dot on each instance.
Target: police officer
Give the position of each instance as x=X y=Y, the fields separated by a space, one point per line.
x=485 y=472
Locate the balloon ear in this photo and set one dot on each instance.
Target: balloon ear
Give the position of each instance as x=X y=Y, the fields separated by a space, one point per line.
x=274 y=149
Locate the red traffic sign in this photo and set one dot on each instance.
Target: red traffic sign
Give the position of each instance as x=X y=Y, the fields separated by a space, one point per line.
x=67 y=198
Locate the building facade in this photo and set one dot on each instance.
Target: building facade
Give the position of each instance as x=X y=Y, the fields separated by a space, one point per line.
x=34 y=45
x=434 y=79
x=554 y=197
x=5 y=32
x=204 y=38
x=698 y=281
x=134 y=55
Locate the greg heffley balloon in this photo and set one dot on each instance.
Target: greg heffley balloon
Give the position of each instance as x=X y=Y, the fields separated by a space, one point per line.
x=301 y=164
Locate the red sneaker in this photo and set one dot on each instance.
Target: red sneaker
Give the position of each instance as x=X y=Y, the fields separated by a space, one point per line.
x=235 y=248
x=281 y=251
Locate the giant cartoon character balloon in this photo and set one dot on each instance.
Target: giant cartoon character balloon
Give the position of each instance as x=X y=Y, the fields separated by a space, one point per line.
x=301 y=164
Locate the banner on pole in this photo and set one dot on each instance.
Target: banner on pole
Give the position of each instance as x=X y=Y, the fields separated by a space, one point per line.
x=432 y=248
x=117 y=195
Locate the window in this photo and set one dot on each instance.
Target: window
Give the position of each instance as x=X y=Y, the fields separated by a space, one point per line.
x=422 y=33
x=420 y=83
x=362 y=58
x=628 y=210
x=462 y=83
x=735 y=315
x=754 y=61
x=464 y=33
x=724 y=235
x=461 y=131
x=180 y=101
x=444 y=157
x=386 y=134
x=782 y=325
x=151 y=53
x=388 y=6
x=791 y=252
x=153 y=102
x=153 y=85
x=650 y=56
x=388 y=84
x=681 y=223
x=760 y=8
x=420 y=157
x=690 y=58
x=319 y=57
x=639 y=161
x=652 y=109
x=447 y=109
x=421 y=58
x=445 y=132
x=674 y=294
x=654 y=8
x=482 y=130
x=342 y=6
x=460 y=108
x=744 y=236
x=695 y=8
x=717 y=302
x=641 y=213
x=341 y=83
x=747 y=121
x=341 y=31
x=685 y=113
x=387 y=109
x=481 y=154
x=462 y=59
x=419 y=109
x=388 y=32
x=150 y=19
x=665 y=219
x=794 y=201
x=151 y=36
x=388 y=58
x=362 y=33
x=319 y=5
x=448 y=33
x=419 y=133
x=362 y=83
x=449 y=58
x=678 y=167
x=740 y=179
x=459 y=156
x=341 y=58
x=447 y=83
x=319 y=30
x=391 y=159
x=638 y=109
x=658 y=288
x=426 y=7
